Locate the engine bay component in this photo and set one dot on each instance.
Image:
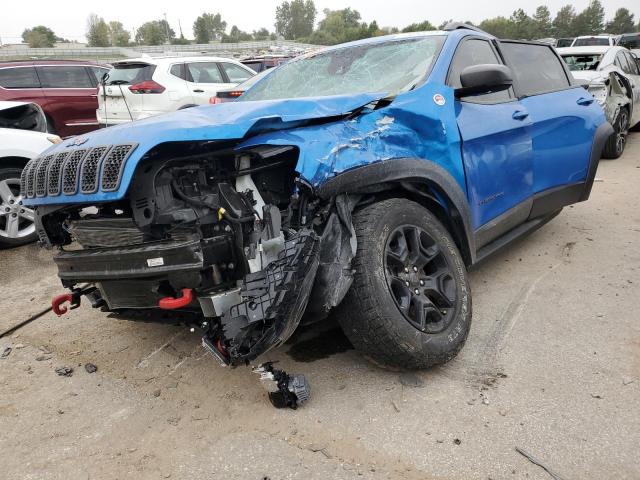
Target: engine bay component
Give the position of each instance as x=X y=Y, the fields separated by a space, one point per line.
x=285 y=390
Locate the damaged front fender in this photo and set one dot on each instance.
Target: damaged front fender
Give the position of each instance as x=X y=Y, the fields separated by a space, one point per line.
x=412 y=126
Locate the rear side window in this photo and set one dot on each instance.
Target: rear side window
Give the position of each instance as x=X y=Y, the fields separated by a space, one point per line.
x=19 y=77
x=591 y=42
x=255 y=66
x=630 y=42
x=130 y=73
x=235 y=73
x=475 y=52
x=98 y=72
x=204 y=72
x=536 y=68
x=64 y=77
x=177 y=70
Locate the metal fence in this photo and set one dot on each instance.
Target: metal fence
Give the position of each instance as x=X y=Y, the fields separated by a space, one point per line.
x=113 y=53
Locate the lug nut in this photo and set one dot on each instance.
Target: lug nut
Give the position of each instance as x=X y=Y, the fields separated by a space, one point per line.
x=406 y=283
x=422 y=283
x=415 y=269
x=21 y=210
x=416 y=291
x=192 y=329
x=14 y=215
x=11 y=201
x=7 y=209
x=406 y=269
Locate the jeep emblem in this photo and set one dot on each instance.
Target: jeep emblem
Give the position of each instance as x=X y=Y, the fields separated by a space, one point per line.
x=78 y=141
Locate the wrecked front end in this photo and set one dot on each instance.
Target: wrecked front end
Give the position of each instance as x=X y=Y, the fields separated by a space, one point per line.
x=227 y=223
x=235 y=236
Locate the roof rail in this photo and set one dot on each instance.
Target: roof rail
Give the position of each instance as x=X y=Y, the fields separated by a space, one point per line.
x=459 y=25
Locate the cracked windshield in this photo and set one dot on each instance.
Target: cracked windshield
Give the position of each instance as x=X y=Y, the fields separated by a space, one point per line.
x=391 y=67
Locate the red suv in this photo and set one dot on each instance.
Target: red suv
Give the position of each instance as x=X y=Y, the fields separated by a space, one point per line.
x=66 y=91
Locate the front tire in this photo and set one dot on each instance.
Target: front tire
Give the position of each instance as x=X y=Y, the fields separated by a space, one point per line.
x=410 y=302
x=16 y=221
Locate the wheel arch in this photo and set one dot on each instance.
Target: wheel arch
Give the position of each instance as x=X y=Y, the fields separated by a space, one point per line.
x=13 y=162
x=422 y=181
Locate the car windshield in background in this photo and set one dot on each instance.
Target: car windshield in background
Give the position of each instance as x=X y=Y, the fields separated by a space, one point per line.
x=591 y=42
x=127 y=73
x=390 y=67
x=582 y=62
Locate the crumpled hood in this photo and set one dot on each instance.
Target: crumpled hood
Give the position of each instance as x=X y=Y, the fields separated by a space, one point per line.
x=227 y=121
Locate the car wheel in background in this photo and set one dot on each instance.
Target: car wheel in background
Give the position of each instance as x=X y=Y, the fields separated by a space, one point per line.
x=16 y=221
x=410 y=302
x=618 y=140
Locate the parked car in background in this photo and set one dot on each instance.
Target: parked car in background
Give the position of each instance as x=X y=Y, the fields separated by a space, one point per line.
x=265 y=62
x=144 y=87
x=630 y=41
x=65 y=89
x=232 y=94
x=23 y=136
x=594 y=41
x=612 y=75
x=365 y=177
x=564 y=42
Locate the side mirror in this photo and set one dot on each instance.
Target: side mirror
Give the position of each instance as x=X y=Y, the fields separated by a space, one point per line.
x=485 y=78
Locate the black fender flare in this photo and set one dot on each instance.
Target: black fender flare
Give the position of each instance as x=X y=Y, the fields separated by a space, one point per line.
x=407 y=173
x=603 y=132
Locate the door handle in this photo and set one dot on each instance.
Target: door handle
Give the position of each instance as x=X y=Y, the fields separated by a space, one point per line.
x=584 y=101
x=197 y=90
x=519 y=115
x=94 y=95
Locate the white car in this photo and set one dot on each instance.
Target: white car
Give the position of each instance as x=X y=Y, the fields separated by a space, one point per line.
x=612 y=75
x=603 y=40
x=144 y=87
x=23 y=136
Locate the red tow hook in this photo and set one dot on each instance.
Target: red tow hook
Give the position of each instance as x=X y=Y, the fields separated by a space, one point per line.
x=171 y=303
x=58 y=300
x=74 y=298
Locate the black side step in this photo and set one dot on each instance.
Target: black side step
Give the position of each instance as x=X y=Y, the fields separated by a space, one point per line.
x=520 y=231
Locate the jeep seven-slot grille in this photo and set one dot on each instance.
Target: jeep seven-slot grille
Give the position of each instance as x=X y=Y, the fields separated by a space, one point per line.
x=70 y=172
x=113 y=165
x=41 y=176
x=90 y=168
x=24 y=179
x=81 y=170
x=55 y=169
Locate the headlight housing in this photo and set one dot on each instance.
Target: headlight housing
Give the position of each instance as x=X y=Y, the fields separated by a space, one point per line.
x=599 y=91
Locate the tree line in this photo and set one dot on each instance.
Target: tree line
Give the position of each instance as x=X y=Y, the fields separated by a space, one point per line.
x=296 y=20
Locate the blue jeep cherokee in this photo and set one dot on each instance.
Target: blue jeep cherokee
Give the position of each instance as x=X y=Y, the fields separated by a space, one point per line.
x=364 y=177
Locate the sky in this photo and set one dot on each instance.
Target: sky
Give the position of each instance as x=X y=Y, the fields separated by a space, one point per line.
x=68 y=18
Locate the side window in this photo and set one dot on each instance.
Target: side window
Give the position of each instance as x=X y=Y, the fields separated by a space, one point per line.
x=19 y=77
x=536 y=67
x=235 y=73
x=64 y=77
x=633 y=66
x=98 y=73
x=475 y=52
x=204 y=72
x=177 y=70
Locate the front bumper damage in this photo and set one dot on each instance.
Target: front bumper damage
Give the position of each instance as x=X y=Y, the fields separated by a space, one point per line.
x=270 y=304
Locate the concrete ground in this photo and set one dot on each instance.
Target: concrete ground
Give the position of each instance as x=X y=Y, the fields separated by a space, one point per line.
x=552 y=365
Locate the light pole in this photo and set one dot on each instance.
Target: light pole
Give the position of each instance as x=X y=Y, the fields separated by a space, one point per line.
x=166 y=27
